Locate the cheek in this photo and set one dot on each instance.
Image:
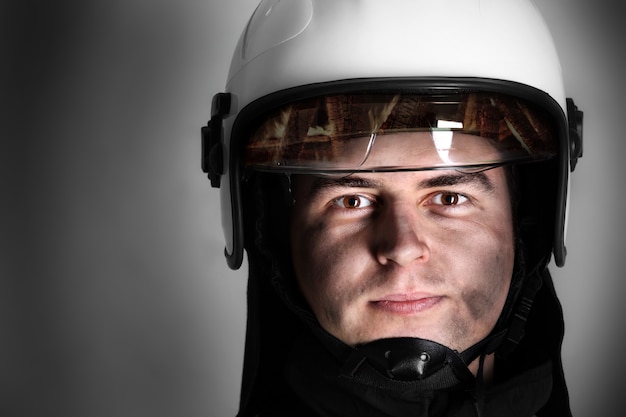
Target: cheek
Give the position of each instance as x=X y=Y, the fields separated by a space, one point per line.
x=328 y=264
x=487 y=298
x=489 y=271
x=314 y=260
x=307 y=246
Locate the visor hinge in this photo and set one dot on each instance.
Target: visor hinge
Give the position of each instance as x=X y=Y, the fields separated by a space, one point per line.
x=212 y=139
x=575 y=121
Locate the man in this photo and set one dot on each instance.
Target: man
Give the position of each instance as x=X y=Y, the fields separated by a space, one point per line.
x=397 y=174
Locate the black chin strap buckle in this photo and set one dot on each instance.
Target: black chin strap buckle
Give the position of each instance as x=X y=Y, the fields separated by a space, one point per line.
x=404 y=358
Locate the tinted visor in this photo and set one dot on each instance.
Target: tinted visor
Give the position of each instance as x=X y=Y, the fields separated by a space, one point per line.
x=382 y=132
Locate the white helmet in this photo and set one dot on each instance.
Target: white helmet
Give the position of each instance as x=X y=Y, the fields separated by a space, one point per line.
x=292 y=54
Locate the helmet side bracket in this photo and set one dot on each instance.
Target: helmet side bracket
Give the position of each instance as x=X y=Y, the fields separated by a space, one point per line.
x=212 y=139
x=575 y=121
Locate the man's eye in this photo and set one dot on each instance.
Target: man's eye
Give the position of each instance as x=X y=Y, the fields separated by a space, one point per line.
x=352 y=201
x=449 y=199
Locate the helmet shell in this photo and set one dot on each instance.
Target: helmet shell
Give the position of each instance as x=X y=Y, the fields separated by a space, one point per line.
x=298 y=42
x=303 y=45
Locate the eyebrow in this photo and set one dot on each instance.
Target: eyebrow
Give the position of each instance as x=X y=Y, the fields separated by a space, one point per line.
x=445 y=180
x=320 y=183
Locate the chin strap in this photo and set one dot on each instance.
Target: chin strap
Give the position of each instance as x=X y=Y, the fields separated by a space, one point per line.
x=520 y=315
x=426 y=364
x=479 y=399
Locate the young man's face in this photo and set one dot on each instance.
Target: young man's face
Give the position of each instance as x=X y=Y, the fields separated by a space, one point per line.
x=425 y=254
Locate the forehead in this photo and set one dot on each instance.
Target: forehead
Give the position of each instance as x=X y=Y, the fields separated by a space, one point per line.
x=490 y=182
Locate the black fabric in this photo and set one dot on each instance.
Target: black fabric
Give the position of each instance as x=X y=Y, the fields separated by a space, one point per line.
x=322 y=387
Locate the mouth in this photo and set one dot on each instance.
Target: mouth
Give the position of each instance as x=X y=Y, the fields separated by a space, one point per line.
x=406 y=304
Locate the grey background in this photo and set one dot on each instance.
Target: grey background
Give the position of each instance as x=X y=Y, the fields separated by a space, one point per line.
x=115 y=299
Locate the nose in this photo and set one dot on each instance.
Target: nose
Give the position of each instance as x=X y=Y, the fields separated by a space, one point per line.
x=400 y=237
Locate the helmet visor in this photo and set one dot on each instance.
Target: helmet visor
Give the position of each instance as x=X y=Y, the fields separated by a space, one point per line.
x=382 y=132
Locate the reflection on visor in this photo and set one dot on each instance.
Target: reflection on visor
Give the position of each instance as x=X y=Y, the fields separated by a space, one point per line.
x=361 y=132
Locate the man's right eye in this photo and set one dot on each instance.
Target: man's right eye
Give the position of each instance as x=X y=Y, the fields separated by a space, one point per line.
x=352 y=201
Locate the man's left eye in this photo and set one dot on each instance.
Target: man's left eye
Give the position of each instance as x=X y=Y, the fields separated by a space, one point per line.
x=449 y=199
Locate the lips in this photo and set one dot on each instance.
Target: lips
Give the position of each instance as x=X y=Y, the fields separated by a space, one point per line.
x=406 y=304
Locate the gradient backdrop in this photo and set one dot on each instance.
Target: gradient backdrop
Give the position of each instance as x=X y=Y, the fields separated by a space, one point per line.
x=115 y=299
